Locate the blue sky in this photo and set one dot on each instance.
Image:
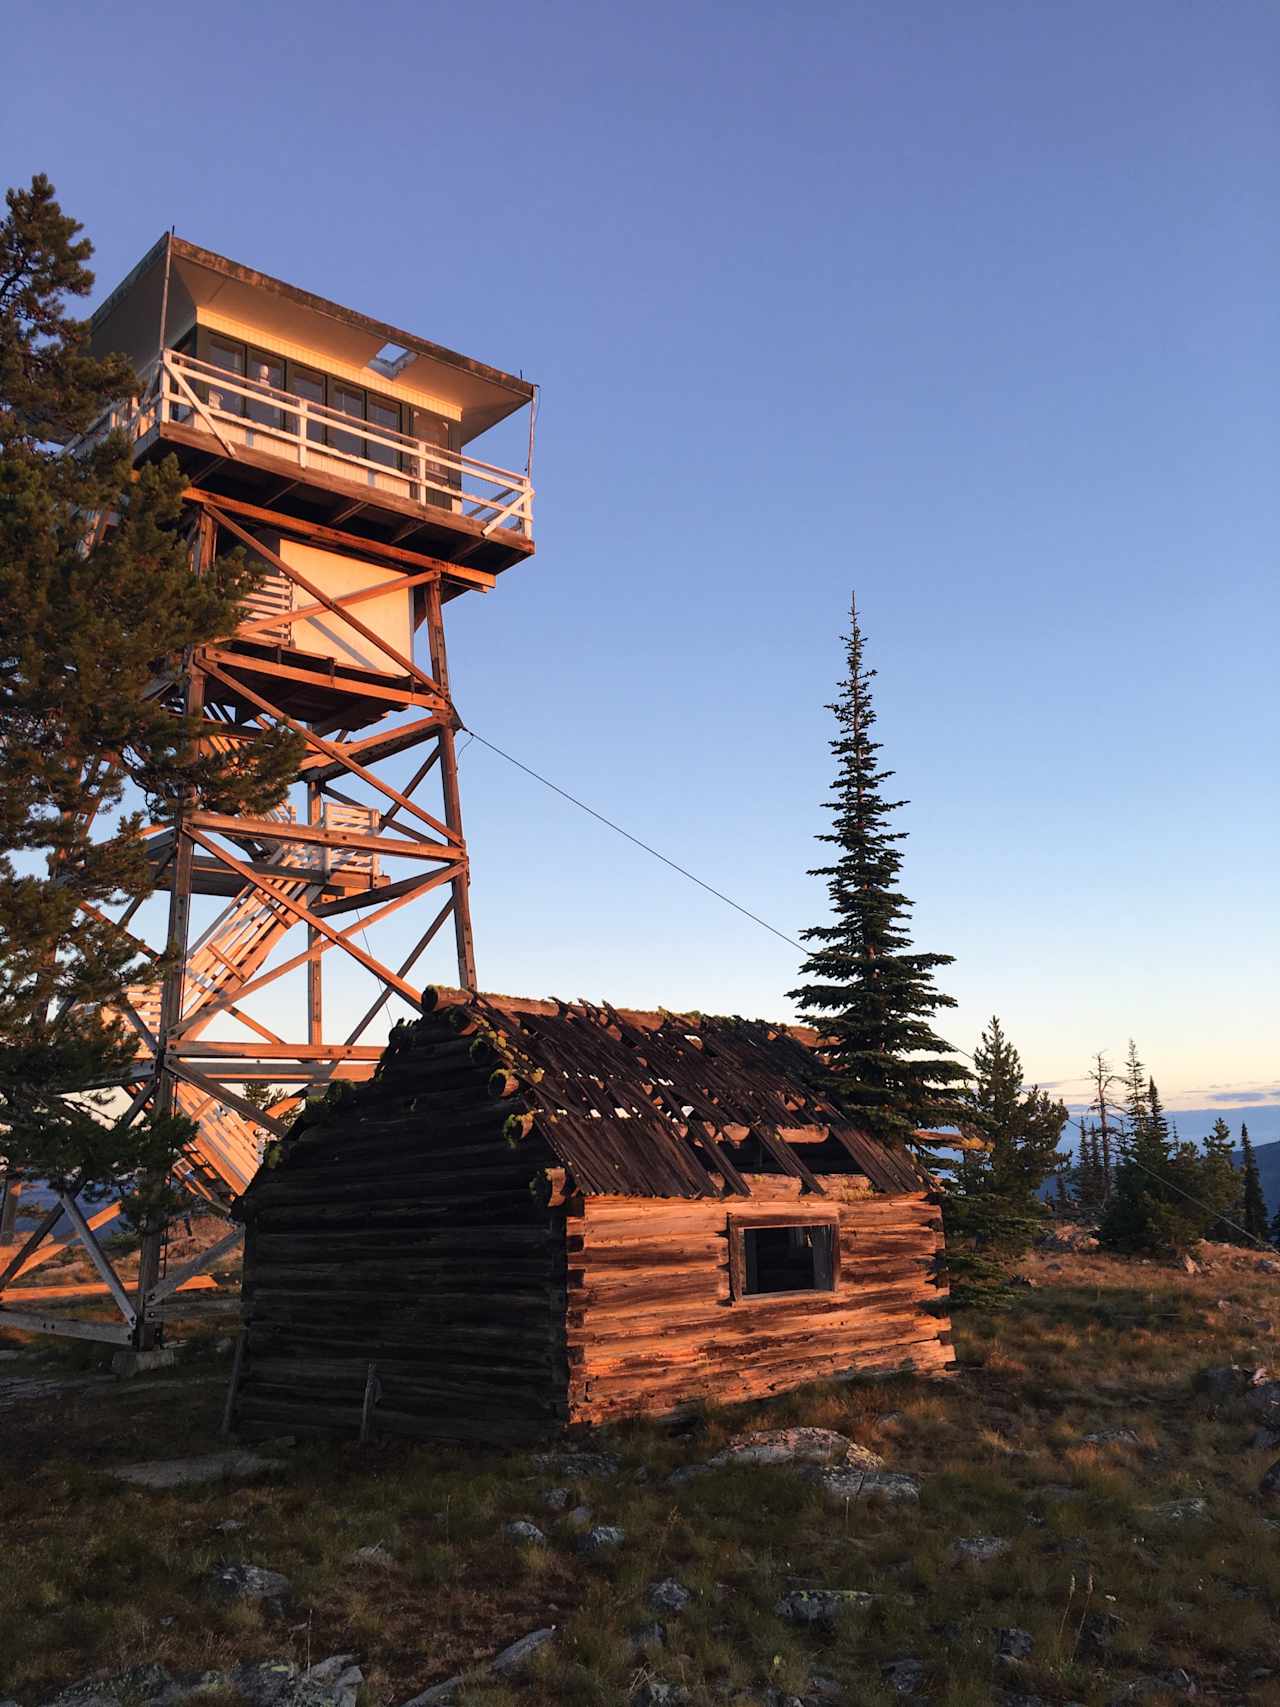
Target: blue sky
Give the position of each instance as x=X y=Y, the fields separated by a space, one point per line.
x=971 y=308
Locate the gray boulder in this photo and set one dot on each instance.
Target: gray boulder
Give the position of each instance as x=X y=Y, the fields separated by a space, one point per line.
x=798 y=1446
x=979 y=1549
x=503 y=1664
x=514 y=1656
x=1013 y=1644
x=577 y=1465
x=669 y=1595
x=603 y=1538
x=520 y=1529
x=655 y=1692
x=1270 y=1483
x=1111 y=1437
x=237 y=1581
x=904 y=1676
x=1177 y=1511
x=821 y=1605
x=1263 y=1401
x=839 y=1485
x=1224 y=1381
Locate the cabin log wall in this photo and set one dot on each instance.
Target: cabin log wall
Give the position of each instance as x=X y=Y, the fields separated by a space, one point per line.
x=653 y=1325
x=412 y=1240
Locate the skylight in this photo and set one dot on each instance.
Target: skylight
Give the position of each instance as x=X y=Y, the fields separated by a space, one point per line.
x=390 y=360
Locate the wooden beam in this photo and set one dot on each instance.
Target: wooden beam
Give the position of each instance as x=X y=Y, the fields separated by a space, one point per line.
x=273 y=830
x=65 y=1327
x=220 y=1093
x=339 y=610
x=98 y=1257
x=204 y=1014
x=278 y=619
x=353 y=765
x=330 y=683
x=177 y=1278
x=349 y=541
x=374 y=748
x=305 y=916
x=211 y=1049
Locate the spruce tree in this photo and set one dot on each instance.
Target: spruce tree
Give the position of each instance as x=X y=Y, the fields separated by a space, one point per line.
x=1091 y=1187
x=992 y=1210
x=91 y=742
x=1136 y=1112
x=1158 y=1205
x=1223 y=1185
x=870 y=997
x=1255 y=1204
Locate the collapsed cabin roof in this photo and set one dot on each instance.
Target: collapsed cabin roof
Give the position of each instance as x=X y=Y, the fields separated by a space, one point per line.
x=652 y=1104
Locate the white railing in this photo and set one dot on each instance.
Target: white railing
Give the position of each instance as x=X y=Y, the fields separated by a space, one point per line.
x=244 y=414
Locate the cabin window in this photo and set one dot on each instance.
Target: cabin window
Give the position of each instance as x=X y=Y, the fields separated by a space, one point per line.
x=781 y=1258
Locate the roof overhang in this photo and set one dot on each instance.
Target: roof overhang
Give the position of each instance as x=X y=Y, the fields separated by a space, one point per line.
x=128 y=322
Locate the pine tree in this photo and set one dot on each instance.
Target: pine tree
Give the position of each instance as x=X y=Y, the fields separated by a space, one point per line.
x=1158 y=1204
x=1136 y=1111
x=992 y=1209
x=1223 y=1185
x=870 y=998
x=1255 y=1204
x=1275 y=1228
x=1090 y=1181
x=86 y=615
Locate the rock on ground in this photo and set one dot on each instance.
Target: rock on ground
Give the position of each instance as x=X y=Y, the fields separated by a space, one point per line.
x=251 y=1582
x=821 y=1605
x=603 y=1538
x=798 y=1446
x=1013 y=1643
x=1111 y=1437
x=839 y=1485
x=1263 y=1400
x=1270 y=1483
x=334 y=1682
x=654 y=1692
x=980 y=1549
x=1178 y=1511
x=190 y=1472
x=520 y=1529
x=502 y=1664
x=904 y=1676
x=1227 y=1381
x=577 y=1464
x=669 y=1595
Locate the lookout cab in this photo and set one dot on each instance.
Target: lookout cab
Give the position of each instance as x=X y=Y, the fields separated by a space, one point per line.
x=276 y=397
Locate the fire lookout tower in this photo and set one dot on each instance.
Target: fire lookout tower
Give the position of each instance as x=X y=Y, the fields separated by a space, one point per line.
x=335 y=450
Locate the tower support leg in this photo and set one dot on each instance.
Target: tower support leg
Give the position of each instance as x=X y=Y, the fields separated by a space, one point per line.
x=461 y=885
x=146 y=1333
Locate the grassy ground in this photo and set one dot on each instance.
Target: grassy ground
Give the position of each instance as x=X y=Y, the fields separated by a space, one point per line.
x=111 y=1576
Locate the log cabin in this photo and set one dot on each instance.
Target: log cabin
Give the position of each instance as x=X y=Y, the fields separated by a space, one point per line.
x=538 y=1214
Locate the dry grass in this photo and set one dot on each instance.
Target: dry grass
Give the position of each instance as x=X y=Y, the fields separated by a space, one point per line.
x=112 y=1576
